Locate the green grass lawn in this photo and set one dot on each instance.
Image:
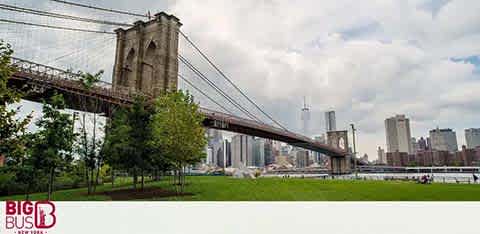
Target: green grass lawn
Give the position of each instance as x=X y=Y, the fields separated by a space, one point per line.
x=218 y=188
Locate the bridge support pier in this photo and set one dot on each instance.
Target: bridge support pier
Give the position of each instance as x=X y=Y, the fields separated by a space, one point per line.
x=340 y=165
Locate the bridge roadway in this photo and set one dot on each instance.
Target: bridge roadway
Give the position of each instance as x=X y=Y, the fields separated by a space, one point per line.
x=41 y=81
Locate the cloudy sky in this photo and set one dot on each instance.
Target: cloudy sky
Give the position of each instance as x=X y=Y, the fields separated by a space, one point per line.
x=367 y=60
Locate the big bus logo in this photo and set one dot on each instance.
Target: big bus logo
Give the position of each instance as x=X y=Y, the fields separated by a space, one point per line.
x=32 y=217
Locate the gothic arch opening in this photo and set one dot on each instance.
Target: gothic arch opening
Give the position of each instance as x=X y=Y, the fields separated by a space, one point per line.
x=128 y=73
x=150 y=61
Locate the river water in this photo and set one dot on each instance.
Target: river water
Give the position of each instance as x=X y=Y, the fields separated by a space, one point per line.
x=437 y=177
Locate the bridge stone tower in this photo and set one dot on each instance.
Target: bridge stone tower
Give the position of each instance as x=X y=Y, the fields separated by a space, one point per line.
x=147 y=56
x=339 y=139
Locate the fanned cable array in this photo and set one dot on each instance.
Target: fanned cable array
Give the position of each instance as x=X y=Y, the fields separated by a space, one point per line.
x=84 y=42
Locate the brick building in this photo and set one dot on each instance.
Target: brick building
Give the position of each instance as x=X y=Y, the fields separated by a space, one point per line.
x=397 y=159
x=466 y=157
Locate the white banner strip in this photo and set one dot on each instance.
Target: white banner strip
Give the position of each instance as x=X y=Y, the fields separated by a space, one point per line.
x=250 y=217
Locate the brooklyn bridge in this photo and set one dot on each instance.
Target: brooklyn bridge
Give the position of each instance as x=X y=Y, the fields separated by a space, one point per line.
x=146 y=63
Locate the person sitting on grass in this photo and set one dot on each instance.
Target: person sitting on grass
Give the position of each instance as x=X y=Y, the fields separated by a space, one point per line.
x=475 y=178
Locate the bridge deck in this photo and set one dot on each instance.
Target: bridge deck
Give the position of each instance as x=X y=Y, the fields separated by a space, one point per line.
x=42 y=81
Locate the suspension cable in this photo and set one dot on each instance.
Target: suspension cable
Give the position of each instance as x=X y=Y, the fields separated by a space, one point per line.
x=101 y=8
x=216 y=88
x=229 y=80
x=60 y=16
x=54 y=27
x=203 y=93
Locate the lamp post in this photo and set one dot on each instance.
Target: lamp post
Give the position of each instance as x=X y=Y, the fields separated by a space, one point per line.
x=354 y=150
x=74 y=115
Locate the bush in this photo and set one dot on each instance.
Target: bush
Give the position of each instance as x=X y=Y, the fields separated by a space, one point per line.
x=7 y=183
x=67 y=181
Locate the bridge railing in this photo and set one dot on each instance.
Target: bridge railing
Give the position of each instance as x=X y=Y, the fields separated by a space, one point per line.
x=55 y=75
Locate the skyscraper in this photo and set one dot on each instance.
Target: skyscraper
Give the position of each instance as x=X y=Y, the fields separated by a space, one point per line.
x=224 y=155
x=242 y=150
x=258 y=153
x=227 y=152
x=472 y=136
x=443 y=139
x=382 y=158
x=209 y=152
x=317 y=156
x=269 y=154
x=422 y=144
x=215 y=142
x=415 y=147
x=397 y=131
x=302 y=158
x=330 y=121
x=305 y=117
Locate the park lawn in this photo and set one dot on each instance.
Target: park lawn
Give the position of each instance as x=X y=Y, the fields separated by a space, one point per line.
x=219 y=188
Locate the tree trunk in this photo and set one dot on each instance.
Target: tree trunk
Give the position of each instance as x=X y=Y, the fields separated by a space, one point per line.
x=174 y=177
x=156 y=174
x=98 y=174
x=50 y=184
x=27 y=192
x=91 y=178
x=177 y=175
x=143 y=179
x=96 y=180
x=135 y=178
x=183 y=179
x=94 y=152
x=113 y=177
x=87 y=179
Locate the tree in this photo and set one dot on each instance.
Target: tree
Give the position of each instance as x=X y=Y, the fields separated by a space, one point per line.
x=26 y=174
x=11 y=128
x=53 y=142
x=89 y=147
x=178 y=131
x=139 y=118
x=7 y=95
x=89 y=80
x=118 y=147
x=13 y=140
x=127 y=140
x=89 y=150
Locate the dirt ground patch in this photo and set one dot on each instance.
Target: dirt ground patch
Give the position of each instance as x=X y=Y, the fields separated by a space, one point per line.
x=147 y=193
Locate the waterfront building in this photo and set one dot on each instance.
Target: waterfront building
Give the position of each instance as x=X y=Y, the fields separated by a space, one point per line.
x=397 y=131
x=215 y=142
x=241 y=150
x=422 y=144
x=472 y=137
x=382 y=158
x=269 y=154
x=302 y=159
x=443 y=140
x=258 y=153
x=415 y=146
x=225 y=155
